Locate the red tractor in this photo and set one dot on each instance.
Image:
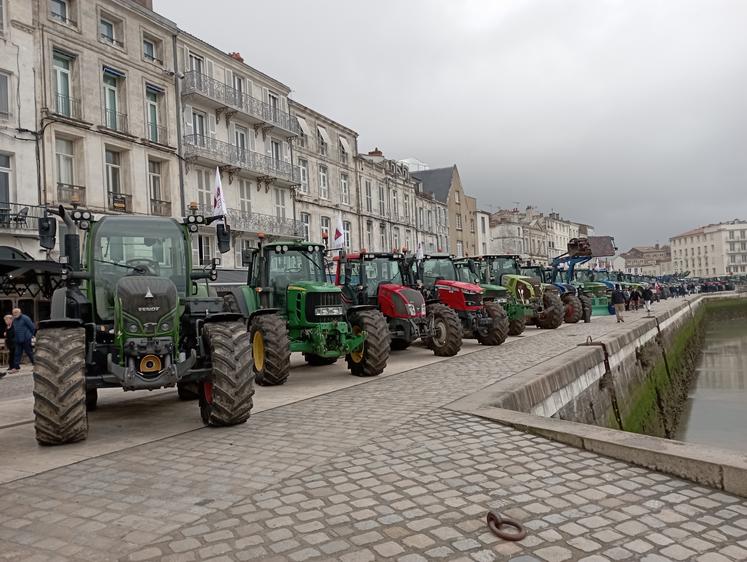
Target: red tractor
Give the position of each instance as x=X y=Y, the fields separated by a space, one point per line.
x=437 y=278
x=377 y=278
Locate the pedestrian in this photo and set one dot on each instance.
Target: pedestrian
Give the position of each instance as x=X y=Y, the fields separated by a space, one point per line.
x=626 y=294
x=635 y=298
x=648 y=295
x=25 y=330
x=618 y=300
x=9 y=333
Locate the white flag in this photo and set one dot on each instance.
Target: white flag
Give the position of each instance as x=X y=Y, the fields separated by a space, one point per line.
x=420 y=254
x=219 y=200
x=338 y=240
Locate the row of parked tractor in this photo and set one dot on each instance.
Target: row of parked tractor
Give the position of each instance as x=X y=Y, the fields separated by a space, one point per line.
x=128 y=310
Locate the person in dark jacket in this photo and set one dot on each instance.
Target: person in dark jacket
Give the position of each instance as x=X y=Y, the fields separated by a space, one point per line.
x=618 y=300
x=9 y=333
x=648 y=296
x=635 y=297
x=25 y=330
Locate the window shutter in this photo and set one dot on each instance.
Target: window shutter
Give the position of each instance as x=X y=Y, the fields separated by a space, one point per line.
x=209 y=67
x=286 y=152
x=252 y=135
x=229 y=78
x=211 y=121
x=232 y=134
x=265 y=95
x=188 y=120
x=182 y=62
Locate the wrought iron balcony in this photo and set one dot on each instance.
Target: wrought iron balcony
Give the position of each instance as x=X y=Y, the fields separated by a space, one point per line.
x=160 y=208
x=156 y=133
x=67 y=106
x=71 y=194
x=121 y=202
x=15 y=216
x=225 y=153
x=195 y=82
x=257 y=222
x=115 y=121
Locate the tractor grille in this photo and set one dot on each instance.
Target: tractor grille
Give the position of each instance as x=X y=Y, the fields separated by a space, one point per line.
x=474 y=299
x=146 y=298
x=412 y=297
x=322 y=299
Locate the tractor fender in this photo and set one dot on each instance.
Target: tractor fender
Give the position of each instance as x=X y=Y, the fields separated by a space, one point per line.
x=223 y=317
x=358 y=307
x=61 y=323
x=263 y=312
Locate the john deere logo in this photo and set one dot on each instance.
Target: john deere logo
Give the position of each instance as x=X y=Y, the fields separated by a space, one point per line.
x=148 y=294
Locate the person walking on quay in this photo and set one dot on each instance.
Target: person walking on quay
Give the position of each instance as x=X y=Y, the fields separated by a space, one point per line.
x=618 y=300
x=9 y=333
x=25 y=330
x=648 y=296
x=635 y=298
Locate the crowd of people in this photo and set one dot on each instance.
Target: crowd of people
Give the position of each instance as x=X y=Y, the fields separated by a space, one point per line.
x=18 y=331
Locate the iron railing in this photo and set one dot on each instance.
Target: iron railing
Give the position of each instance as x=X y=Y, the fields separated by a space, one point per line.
x=71 y=194
x=195 y=82
x=257 y=222
x=121 y=202
x=115 y=121
x=156 y=133
x=160 y=208
x=111 y=40
x=21 y=217
x=67 y=106
x=219 y=151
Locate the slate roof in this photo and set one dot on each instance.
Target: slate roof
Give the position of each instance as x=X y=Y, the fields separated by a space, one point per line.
x=437 y=181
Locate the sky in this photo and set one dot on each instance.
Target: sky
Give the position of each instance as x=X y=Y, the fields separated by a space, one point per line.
x=630 y=115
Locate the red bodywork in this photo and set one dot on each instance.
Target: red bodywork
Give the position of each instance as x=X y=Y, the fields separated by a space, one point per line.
x=456 y=295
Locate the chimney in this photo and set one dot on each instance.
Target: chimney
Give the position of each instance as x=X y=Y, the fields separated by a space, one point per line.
x=376 y=152
x=148 y=4
x=236 y=56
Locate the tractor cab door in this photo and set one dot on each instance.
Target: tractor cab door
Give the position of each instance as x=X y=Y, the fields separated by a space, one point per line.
x=349 y=279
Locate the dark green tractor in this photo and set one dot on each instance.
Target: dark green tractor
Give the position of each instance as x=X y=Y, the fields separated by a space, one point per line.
x=475 y=270
x=290 y=306
x=127 y=316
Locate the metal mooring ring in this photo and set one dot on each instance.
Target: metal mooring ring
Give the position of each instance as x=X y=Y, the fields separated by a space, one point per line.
x=495 y=522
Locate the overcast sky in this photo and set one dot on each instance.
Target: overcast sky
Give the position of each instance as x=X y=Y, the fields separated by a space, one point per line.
x=630 y=115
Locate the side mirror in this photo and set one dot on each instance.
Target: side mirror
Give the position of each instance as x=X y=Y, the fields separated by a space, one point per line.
x=48 y=233
x=223 y=233
x=194 y=288
x=216 y=262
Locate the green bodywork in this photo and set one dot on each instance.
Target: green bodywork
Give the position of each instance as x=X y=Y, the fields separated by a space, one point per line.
x=475 y=270
x=594 y=287
x=287 y=288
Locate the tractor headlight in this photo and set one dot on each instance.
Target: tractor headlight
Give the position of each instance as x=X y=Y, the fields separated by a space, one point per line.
x=411 y=310
x=165 y=326
x=328 y=311
x=193 y=227
x=502 y=300
x=132 y=328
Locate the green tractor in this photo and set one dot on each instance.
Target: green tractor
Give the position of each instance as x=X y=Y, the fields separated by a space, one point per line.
x=290 y=306
x=476 y=270
x=127 y=315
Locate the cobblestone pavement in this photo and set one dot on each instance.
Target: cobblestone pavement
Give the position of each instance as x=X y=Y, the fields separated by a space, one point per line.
x=373 y=472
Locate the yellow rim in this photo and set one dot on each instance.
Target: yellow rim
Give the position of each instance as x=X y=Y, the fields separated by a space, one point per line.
x=357 y=356
x=258 y=351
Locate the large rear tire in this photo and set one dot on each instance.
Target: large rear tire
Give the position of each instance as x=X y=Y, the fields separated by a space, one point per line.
x=60 y=386
x=499 y=328
x=586 y=305
x=573 y=309
x=446 y=337
x=271 y=353
x=226 y=396
x=552 y=315
x=371 y=360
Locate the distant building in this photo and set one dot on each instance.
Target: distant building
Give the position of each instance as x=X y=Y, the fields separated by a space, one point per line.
x=647 y=260
x=414 y=165
x=711 y=250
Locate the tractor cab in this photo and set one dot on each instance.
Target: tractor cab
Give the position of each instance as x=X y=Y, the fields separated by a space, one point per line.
x=362 y=275
x=439 y=279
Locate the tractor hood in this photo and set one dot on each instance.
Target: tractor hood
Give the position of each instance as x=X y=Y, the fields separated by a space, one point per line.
x=497 y=291
x=398 y=301
x=459 y=286
x=313 y=287
x=566 y=288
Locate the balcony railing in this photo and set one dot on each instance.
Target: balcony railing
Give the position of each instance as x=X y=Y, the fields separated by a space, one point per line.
x=257 y=222
x=111 y=40
x=15 y=216
x=71 y=194
x=67 y=106
x=194 y=82
x=156 y=133
x=115 y=121
x=121 y=202
x=223 y=152
x=160 y=208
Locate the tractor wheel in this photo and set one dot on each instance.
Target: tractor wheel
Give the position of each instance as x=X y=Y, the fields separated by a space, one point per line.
x=552 y=315
x=92 y=399
x=270 y=349
x=446 y=338
x=318 y=361
x=187 y=391
x=371 y=359
x=226 y=396
x=586 y=306
x=399 y=344
x=574 y=310
x=499 y=329
x=516 y=326
x=60 y=386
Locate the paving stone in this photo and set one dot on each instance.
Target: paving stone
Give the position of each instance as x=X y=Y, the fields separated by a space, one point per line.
x=678 y=552
x=554 y=553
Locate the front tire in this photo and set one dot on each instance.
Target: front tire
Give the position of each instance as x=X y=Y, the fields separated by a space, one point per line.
x=60 y=386
x=226 y=397
x=499 y=328
x=445 y=339
x=552 y=315
x=573 y=309
x=516 y=326
x=371 y=360
x=271 y=354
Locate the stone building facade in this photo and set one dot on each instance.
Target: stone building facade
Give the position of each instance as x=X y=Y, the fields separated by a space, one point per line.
x=711 y=250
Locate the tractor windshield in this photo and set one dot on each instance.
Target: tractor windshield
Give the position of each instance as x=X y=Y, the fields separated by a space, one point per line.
x=135 y=246
x=534 y=271
x=435 y=269
x=292 y=266
x=465 y=273
x=586 y=275
x=500 y=267
x=377 y=271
